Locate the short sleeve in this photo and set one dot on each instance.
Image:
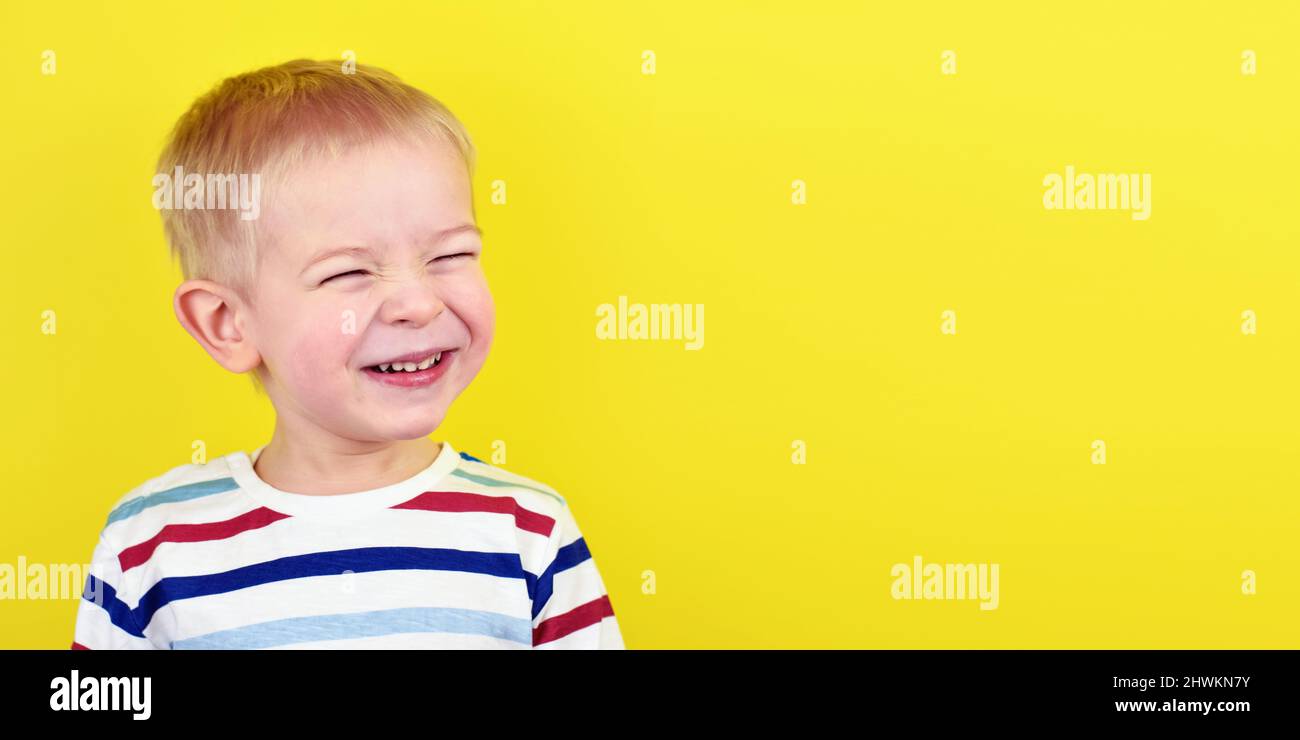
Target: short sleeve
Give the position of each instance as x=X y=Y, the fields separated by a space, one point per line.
x=571 y=608
x=105 y=621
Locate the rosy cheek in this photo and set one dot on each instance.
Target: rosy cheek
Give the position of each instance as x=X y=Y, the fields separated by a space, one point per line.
x=469 y=298
x=486 y=319
x=319 y=352
x=482 y=309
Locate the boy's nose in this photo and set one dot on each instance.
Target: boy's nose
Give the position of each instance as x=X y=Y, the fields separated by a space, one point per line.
x=416 y=304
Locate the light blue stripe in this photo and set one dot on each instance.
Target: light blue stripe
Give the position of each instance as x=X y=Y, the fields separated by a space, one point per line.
x=363 y=624
x=171 y=495
x=501 y=484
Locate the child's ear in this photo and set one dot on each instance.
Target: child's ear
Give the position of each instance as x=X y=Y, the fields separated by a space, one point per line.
x=210 y=313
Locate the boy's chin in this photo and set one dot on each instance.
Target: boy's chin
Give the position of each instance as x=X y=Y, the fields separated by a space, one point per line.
x=414 y=424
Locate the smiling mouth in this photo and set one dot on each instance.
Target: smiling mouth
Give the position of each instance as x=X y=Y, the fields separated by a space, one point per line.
x=432 y=360
x=413 y=374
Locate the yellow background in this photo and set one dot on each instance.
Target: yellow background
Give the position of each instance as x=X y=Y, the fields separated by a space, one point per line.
x=822 y=320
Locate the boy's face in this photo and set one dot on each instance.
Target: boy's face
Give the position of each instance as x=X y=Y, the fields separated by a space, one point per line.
x=322 y=326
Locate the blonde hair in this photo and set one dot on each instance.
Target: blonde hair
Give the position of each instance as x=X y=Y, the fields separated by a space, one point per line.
x=266 y=121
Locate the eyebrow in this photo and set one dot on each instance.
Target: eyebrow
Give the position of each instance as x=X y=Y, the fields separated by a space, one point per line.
x=438 y=236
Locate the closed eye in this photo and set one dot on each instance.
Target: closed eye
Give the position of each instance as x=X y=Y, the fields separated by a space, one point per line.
x=447 y=257
x=454 y=256
x=343 y=274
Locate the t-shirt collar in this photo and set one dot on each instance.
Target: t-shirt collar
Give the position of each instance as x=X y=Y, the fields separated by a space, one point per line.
x=339 y=504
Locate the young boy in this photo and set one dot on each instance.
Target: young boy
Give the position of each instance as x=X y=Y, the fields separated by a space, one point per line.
x=346 y=277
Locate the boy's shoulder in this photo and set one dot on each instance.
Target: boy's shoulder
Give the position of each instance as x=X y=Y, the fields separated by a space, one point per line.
x=144 y=505
x=494 y=480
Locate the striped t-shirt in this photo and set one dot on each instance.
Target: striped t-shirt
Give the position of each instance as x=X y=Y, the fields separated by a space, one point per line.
x=461 y=555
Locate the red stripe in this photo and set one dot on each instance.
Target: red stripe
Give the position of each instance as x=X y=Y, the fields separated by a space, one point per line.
x=573 y=620
x=78 y=646
x=205 y=532
x=459 y=501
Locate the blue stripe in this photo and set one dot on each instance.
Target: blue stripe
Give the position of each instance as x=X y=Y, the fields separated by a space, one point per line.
x=570 y=555
x=171 y=495
x=363 y=624
x=467 y=456
x=104 y=596
x=359 y=560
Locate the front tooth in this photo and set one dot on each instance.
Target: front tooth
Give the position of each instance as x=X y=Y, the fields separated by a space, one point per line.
x=408 y=367
x=425 y=364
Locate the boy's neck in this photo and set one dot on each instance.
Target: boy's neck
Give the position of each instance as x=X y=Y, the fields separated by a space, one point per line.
x=334 y=468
